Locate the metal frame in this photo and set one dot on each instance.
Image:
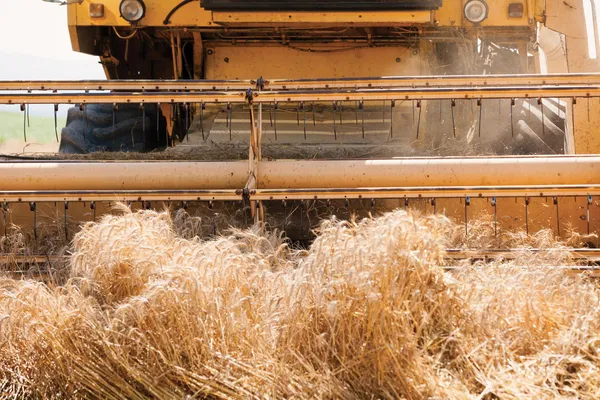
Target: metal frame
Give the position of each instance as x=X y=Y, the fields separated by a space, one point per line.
x=257 y=180
x=442 y=93
x=248 y=180
x=588 y=79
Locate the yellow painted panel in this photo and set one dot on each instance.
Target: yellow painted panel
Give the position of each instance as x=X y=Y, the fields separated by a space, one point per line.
x=451 y=14
x=72 y=14
x=396 y=18
x=232 y=62
x=156 y=12
x=587 y=123
x=192 y=15
x=511 y=214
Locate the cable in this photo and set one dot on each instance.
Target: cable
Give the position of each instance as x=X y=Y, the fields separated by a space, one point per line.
x=333 y=50
x=124 y=37
x=167 y=20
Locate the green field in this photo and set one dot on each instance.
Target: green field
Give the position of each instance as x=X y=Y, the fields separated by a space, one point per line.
x=40 y=129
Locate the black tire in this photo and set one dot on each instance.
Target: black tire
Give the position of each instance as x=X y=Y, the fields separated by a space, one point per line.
x=92 y=130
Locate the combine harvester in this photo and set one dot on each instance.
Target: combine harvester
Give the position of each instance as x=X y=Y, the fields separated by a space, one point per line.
x=291 y=111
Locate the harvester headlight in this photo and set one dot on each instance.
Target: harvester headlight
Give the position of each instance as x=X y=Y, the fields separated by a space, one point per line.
x=132 y=10
x=476 y=11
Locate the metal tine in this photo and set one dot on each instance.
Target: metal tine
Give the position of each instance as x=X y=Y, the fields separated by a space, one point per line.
x=114 y=120
x=202 y=108
x=480 y=104
x=392 y=105
x=56 y=122
x=356 y=111
x=334 y=123
x=419 y=106
x=143 y=110
x=157 y=122
x=33 y=208
x=413 y=112
x=93 y=208
x=406 y=203
x=527 y=201
x=590 y=201
x=66 y=224
x=341 y=113
x=434 y=205
x=495 y=205
x=211 y=207
x=313 y=114
x=29 y=114
x=374 y=206
x=227 y=115
x=541 y=104
x=467 y=204
x=512 y=125
x=555 y=202
x=5 y=215
x=304 y=117
x=275 y=106
x=452 y=105
x=329 y=210
x=298 y=115
x=82 y=108
x=229 y=119
x=383 y=111
x=588 y=108
x=187 y=120
x=573 y=102
x=302 y=217
x=271 y=116
x=24 y=109
x=168 y=122
x=285 y=215
x=362 y=108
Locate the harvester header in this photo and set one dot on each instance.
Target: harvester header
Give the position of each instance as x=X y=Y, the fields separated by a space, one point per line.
x=292 y=111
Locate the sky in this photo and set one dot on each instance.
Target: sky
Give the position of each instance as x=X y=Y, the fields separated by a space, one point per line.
x=35 y=44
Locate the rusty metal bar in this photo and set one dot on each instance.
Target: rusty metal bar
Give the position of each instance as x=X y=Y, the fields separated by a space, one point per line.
x=577 y=254
x=114 y=177
x=120 y=196
x=448 y=192
x=474 y=177
x=550 y=171
x=132 y=85
x=298 y=194
x=590 y=271
x=124 y=97
x=431 y=172
x=442 y=93
x=435 y=81
x=310 y=84
x=18 y=260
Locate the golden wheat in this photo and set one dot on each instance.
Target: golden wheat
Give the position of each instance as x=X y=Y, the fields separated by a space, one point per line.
x=152 y=311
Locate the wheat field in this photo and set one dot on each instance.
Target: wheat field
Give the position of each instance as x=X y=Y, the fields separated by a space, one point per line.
x=150 y=311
